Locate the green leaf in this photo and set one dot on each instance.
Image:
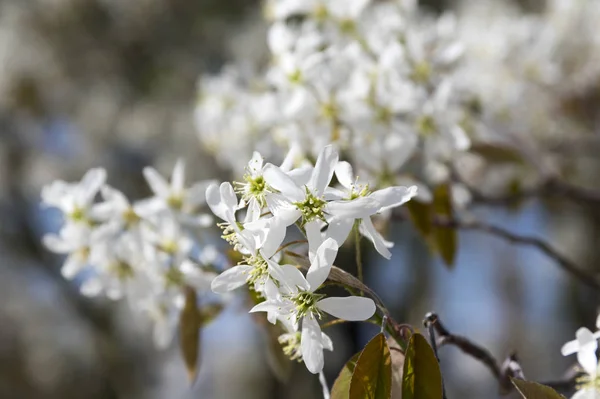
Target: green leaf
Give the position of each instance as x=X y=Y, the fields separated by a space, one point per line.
x=209 y=312
x=496 y=153
x=190 y=321
x=422 y=378
x=341 y=386
x=445 y=238
x=372 y=377
x=420 y=215
x=533 y=390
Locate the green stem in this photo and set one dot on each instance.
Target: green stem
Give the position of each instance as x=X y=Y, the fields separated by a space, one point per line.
x=357 y=238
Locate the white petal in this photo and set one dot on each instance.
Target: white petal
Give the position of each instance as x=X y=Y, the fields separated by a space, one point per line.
x=256 y=163
x=327 y=342
x=178 y=176
x=277 y=179
x=339 y=230
x=195 y=195
x=281 y=208
x=355 y=209
x=230 y=279
x=228 y=196
x=294 y=277
x=91 y=287
x=368 y=230
x=321 y=266
x=72 y=266
x=56 y=244
x=213 y=200
x=311 y=344
x=569 y=348
x=90 y=185
x=314 y=236
x=275 y=236
x=157 y=183
x=351 y=308
x=344 y=174
x=391 y=197
x=267 y=306
x=323 y=171
x=586 y=354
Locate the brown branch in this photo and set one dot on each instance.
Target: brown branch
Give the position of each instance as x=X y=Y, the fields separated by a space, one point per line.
x=510 y=368
x=584 y=276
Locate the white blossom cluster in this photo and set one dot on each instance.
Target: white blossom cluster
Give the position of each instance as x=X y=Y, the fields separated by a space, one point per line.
x=144 y=251
x=372 y=78
x=405 y=95
x=276 y=197
x=585 y=346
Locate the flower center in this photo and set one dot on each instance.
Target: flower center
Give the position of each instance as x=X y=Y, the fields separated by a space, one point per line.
x=254 y=187
x=175 y=201
x=130 y=217
x=311 y=208
x=122 y=270
x=306 y=303
x=260 y=271
x=421 y=72
x=588 y=382
x=291 y=345
x=426 y=125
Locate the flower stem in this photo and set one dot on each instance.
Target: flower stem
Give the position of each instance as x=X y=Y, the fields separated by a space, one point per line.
x=357 y=238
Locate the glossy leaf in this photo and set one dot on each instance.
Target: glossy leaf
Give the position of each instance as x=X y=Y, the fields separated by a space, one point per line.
x=341 y=386
x=445 y=238
x=533 y=390
x=422 y=378
x=190 y=321
x=372 y=377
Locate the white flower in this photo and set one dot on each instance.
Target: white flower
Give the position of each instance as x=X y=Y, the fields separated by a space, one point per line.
x=74 y=240
x=75 y=199
x=585 y=345
x=386 y=198
x=174 y=196
x=301 y=304
x=308 y=201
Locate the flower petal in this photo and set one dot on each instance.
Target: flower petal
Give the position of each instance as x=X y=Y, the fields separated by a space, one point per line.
x=277 y=179
x=356 y=209
x=157 y=183
x=230 y=279
x=275 y=235
x=344 y=174
x=369 y=231
x=90 y=185
x=323 y=171
x=178 y=176
x=311 y=344
x=213 y=200
x=321 y=266
x=351 y=308
x=339 y=230
x=391 y=197
x=314 y=236
x=228 y=196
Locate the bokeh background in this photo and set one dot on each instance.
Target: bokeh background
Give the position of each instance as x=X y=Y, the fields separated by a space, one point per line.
x=112 y=83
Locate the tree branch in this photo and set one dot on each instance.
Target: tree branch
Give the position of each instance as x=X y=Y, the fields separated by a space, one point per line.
x=502 y=372
x=584 y=276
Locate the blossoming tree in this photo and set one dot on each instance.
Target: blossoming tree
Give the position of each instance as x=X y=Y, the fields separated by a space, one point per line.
x=368 y=113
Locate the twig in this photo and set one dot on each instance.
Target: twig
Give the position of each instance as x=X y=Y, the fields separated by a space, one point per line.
x=510 y=368
x=359 y=266
x=583 y=275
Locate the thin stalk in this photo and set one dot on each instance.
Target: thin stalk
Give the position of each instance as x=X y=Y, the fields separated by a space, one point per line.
x=359 y=266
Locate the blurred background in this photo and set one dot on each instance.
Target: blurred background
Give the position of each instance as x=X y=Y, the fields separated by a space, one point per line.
x=112 y=83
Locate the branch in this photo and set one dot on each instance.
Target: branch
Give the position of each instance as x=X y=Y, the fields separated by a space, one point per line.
x=502 y=372
x=584 y=276
x=551 y=187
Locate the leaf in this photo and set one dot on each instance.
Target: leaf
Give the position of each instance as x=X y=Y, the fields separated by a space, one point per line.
x=190 y=321
x=422 y=378
x=209 y=312
x=372 y=377
x=496 y=153
x=420 y=215
x=397 y=367
x=341 y=386
x=445 y=238
x=533 y=390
